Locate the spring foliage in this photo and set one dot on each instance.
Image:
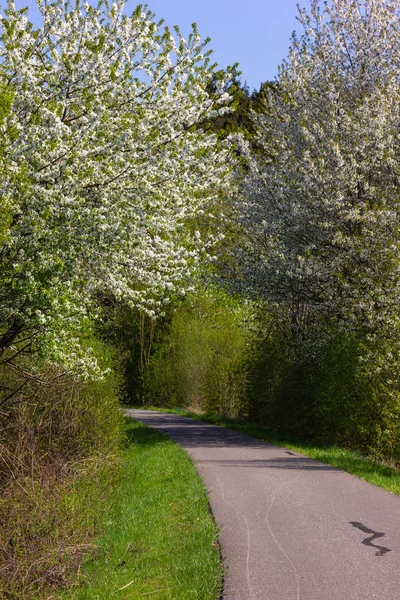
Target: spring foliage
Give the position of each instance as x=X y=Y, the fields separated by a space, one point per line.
x=119 y=152
x=201 y=360
x=104 y=165
x=321 y=213
x=322 y=209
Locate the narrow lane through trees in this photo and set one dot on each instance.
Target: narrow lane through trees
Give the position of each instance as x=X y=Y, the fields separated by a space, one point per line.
x=291 y=528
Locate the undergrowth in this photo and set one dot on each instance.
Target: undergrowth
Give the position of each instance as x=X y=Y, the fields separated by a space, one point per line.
x=60 y=447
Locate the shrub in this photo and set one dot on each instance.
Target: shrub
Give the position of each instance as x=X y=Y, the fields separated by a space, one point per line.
x=201 y=362
x=59 y=453
x=324 y=388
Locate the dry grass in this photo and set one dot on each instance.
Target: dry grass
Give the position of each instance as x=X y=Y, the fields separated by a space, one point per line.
x=47 y=522
x=59 y=458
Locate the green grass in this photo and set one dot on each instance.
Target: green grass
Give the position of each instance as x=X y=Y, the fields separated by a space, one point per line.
x=376 y=473
x=159 y=539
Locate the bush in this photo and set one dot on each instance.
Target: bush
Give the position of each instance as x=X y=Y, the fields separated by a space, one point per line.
x=357 y=406
x=47 y=521
x=323 y=388
x=201 y=362
x=59 y=454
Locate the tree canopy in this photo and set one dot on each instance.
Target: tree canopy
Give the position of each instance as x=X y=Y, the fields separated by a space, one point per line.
x=104 y=164
x=322 y=201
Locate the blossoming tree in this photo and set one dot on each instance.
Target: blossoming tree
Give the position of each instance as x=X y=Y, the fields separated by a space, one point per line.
x=104 y=166
x=322 y=209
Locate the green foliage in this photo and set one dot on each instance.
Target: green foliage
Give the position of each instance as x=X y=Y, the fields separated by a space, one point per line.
x=238 y=117
x=201 y=361
x=6 y=98
x=96 y=408
x=322 y=389
x=357 y=408
x=224 y=355
x=132 y=334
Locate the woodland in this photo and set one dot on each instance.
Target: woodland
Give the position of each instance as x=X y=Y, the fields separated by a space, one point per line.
x=170 y=238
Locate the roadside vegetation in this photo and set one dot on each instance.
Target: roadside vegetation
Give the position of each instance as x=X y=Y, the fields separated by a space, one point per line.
x=60 y=453
x=158 y=537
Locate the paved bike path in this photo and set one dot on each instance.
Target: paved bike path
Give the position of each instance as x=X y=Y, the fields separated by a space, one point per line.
x=291 y=528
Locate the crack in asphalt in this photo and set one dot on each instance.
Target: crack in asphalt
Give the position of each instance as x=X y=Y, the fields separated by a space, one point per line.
x=368 y=541
x=250 y=587
x=267 y=521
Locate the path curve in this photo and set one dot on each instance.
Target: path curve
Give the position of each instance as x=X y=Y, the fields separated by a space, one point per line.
x=291 y=528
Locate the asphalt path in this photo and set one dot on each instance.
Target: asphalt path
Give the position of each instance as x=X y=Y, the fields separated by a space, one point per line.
x=291 y=528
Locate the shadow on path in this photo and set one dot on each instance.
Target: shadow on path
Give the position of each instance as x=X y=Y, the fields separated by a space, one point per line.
x=302 y=464
x=194 y=434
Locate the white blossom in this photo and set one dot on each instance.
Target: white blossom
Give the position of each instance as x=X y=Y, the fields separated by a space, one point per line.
x=321 y=209
x=104 y=164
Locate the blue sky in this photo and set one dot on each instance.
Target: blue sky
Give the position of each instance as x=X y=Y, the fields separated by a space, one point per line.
x=254 y=33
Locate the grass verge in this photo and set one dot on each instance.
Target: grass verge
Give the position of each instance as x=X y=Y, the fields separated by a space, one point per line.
x=159 y=539
x=378 y=474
